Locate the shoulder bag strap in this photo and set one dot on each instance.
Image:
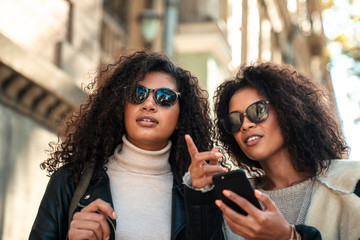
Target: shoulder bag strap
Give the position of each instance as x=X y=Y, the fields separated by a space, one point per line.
x=81 y=188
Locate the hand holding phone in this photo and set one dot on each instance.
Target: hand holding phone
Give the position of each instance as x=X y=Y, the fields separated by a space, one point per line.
x=237 y=182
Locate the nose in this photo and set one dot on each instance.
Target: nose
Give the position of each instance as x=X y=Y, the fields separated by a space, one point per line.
x=247 y=124
x=149 y=103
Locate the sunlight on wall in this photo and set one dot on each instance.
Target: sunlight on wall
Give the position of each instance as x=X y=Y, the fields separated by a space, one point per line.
x=265 y=40
x=33 y=24
x=274 y=16
x=234 y=31
x=253 y=31
x=24 y=181
x=215 y=77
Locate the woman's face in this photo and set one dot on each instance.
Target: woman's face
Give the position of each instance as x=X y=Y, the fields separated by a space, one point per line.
x=259 y=141
x=148 y=125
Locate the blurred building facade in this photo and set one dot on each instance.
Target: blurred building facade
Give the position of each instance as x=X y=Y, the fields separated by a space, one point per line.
x=50 y=49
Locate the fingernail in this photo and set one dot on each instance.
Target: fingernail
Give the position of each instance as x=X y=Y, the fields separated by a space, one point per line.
x=224 y=169
x=114 y=215
x=226 y=193
x=258 y=193
x=218 y=203
x=219 y=155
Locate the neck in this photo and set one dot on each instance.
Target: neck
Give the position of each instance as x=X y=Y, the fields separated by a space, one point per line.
x=280 y=173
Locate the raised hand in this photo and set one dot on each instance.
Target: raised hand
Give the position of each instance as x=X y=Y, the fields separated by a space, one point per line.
x=267 y=224
x=203 y=164
x=90 y=222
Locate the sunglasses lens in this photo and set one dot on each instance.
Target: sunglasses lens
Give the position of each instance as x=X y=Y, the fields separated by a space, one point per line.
x=139 y=95
x=232 y=122
x=257 y=112
x=165 y=97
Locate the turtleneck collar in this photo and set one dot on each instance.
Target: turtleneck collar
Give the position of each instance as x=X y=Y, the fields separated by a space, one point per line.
x=137 y=160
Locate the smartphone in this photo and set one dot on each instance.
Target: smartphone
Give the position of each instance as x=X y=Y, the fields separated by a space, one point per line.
x=237 y=182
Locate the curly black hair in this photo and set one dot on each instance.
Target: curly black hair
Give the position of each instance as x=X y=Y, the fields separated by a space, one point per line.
x=306 y=115
x=96 y=129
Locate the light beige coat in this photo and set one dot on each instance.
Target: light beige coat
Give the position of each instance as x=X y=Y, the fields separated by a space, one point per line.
x=334 y=209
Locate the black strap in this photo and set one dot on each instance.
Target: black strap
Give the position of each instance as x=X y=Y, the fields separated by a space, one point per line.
x=357 y=189
x=81 y=188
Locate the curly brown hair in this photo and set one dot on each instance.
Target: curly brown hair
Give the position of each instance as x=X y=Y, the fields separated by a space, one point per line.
x=96 y=129
x=306 y=115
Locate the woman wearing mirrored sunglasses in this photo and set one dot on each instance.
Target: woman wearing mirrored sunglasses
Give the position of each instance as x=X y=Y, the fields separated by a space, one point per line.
x=132 y=130
x=279 y=125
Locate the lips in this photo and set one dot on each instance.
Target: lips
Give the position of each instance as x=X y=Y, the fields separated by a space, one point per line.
x=147 y=119
x=252 y=138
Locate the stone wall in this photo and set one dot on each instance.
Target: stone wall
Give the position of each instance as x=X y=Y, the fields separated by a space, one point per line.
x=48 y=50
x=22 y=183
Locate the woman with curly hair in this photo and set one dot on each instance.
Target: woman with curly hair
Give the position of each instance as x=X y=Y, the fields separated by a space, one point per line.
x=279 y=125
x=131 y=133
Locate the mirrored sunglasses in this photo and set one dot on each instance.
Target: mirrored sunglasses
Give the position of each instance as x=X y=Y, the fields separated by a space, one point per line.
x=256 y=113
x=164 y=97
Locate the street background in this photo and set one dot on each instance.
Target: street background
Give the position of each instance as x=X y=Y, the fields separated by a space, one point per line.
x=50 y=50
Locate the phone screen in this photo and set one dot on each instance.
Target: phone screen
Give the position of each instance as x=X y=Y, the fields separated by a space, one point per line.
x=237 y=182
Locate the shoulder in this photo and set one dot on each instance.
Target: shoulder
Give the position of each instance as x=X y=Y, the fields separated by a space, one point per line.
x=62 y=173
x=342 y=176
x=335 y=197
x=61 y=179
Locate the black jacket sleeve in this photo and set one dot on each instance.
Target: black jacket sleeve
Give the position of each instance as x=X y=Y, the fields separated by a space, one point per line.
x=307 y=232
x=204 y=218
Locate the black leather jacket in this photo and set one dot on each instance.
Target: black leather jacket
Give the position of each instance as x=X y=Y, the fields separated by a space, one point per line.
x=188 y=209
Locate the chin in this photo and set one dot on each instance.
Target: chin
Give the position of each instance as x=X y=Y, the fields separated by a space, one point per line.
x=255 y=157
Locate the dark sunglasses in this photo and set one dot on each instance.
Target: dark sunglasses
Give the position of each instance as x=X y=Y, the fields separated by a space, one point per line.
x=163 y=97
x=256 y=113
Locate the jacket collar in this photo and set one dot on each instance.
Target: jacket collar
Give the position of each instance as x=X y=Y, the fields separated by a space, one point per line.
x=336 y=177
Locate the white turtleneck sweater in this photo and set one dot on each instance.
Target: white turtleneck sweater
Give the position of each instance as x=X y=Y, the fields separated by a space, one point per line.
x=141 y=186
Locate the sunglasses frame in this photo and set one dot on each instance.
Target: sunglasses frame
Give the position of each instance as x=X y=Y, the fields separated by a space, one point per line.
x=225 y=121
x=148 y=90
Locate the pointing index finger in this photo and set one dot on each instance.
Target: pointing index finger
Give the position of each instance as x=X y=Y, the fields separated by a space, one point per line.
x=191 y=145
